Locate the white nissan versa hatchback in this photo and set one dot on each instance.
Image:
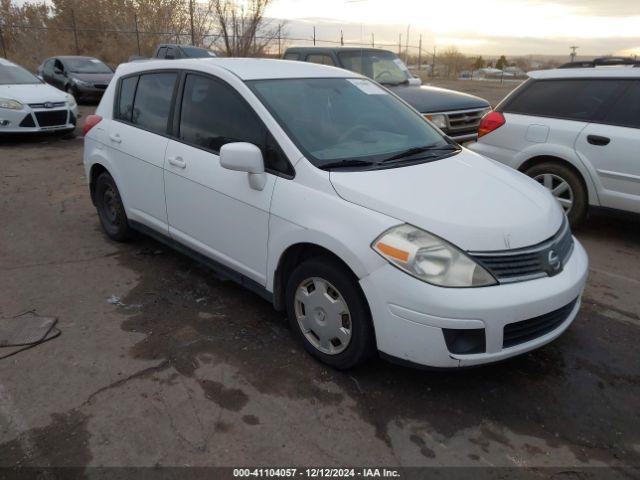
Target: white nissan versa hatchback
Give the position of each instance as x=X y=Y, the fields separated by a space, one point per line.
x=339 y=203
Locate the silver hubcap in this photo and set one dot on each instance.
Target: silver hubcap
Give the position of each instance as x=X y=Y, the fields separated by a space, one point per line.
x=323 y=315
x=559 y=188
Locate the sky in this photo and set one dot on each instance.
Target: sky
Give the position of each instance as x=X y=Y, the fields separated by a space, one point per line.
x=491 y=27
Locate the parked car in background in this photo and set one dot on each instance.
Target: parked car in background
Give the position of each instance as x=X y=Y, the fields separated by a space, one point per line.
x=27 y=104
x=457 y=114
x=326 y=194
x=577 y=132
x=171 y=51
x=86 y=78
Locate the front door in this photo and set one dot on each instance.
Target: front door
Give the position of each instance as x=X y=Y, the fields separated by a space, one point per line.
x=211 y=209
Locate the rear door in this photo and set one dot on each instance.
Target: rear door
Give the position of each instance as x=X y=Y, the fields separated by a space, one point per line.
x=612 y=147
x=137 y=139
x=211 y=209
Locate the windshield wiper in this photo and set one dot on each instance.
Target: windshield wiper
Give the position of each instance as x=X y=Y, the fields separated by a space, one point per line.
x=347 y=164
x=416 y=150
x=394 y=84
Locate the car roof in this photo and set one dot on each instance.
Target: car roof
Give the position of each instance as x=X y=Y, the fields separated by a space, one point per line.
x=244 y=68
x=335 y=49
x=591 y=72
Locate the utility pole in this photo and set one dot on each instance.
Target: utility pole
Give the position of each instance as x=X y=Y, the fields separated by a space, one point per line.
x=341 y=39
x=420 y=53
x=400 y=45
x=135 y=19
x=433 y=62
x=279 y=38
x=373 y=40
x=75 y=31
x=193 y=35
x=4 y=48
x=406 y=50
x=314 y=35
x=572 y=55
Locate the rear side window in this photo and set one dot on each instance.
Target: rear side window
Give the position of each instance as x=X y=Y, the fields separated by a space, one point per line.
x=162 y=52
x=568 y=99
x=153 y=101
x=212 y=114
x=321 y=58
x=124 y=109
x=292 y=56
x=626 y=111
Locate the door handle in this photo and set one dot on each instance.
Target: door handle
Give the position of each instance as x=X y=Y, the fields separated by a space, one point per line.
x=177 y=162
x=598 y=140
x=115 y=138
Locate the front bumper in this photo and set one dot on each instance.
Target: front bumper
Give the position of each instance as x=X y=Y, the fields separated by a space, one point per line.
x=409 y=315
x=34 y=120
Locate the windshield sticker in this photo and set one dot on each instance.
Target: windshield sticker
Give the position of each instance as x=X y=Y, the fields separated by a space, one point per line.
x=367 y=87
x=95 y=60
x=400 y=64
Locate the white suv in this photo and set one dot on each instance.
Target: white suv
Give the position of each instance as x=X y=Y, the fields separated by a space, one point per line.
x=331 y=197
x=577 y=132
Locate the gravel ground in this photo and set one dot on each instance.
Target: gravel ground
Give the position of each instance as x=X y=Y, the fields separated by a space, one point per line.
x=162 y=363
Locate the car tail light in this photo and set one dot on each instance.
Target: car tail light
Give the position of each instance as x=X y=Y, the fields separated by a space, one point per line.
x=90 y=122
x=491 y=121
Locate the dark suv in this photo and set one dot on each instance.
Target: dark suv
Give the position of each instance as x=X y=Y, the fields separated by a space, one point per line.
x=457 y=114
x=170 y=51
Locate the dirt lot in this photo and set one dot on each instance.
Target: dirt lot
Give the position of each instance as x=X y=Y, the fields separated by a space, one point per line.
x=161 y=363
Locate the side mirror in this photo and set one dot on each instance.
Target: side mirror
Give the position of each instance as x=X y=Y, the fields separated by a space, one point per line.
x=169 y=56
x=245 y=157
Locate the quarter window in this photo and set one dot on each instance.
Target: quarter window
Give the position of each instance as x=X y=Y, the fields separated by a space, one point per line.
x=569 y=99
x=125 y=101
x=626 y=111
x=292 y=56
x=153 y=101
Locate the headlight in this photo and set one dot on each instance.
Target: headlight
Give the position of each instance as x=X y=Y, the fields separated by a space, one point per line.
x=438 y=120
x=10 y=104
x=430 y=259
x=82 y=83
x=71 y=100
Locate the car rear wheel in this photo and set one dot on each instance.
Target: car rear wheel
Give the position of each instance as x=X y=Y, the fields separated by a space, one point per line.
x=328 y=313
x=565 y=185
x=111 y=209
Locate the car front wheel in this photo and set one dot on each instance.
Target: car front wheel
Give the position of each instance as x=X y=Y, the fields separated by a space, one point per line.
x=328 y=313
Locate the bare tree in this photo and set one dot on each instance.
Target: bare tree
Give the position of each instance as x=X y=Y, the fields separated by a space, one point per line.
x=242 y=28
x=453 y=60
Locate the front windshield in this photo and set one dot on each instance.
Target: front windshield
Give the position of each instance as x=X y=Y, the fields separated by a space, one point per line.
x=345 y=119
x=195 y=52
x=11 y=74
x=86 y=65
x=384 y=67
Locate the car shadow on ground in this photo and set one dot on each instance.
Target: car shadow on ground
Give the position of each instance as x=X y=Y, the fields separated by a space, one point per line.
x=588 y=378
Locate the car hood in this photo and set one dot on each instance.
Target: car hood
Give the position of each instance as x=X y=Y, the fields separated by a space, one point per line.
x=93 y=77
x=36 y=93
x=469 y=200
x=427 y=99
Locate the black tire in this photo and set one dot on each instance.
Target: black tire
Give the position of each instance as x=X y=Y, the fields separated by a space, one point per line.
x=113 y=217
x=362 y=345
x=578 y=211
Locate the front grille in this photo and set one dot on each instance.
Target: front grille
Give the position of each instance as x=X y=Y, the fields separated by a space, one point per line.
x=27 y=121
x=545 y=259
x=464 y=122
x=527 y=330
x=51 y=119
x=47 y=105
